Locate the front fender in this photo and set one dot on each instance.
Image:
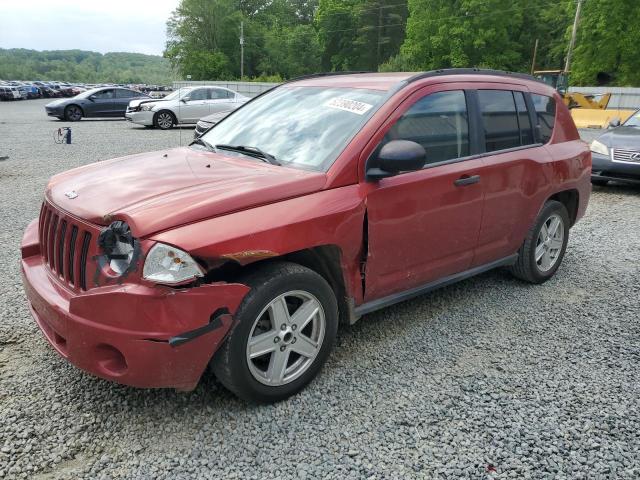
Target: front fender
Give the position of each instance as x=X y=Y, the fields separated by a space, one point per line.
x=330 y=217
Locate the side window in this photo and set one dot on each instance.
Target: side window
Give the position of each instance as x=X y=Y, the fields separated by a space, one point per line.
x=499 y=119
x=104 y=94
x=219 y=94
x=546 y=114
x=124 y=93
x=524 y=121
x=439 y=123
x=199 y=94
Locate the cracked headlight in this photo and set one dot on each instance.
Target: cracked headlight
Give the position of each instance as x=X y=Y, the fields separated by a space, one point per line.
x=599 y=147
x=167 y=264
x=119 y=247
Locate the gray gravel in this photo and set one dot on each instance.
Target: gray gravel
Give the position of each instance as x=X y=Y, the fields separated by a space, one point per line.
x=490 y=378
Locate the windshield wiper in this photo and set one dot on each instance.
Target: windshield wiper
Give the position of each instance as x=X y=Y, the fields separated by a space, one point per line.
x=251 y=151
x=207 y=145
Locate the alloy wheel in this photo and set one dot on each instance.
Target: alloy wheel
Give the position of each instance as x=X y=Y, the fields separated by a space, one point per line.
x=549 y=243
x=285 y=338
x=165 y=120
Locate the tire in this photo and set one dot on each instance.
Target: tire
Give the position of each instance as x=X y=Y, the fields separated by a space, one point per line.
x=539 y=270
x=73 y=113
x=600 y=182
x=164 y=120
x=253 y=379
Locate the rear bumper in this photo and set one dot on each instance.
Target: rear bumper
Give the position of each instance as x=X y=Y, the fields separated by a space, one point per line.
x=121 y=332
x=603 y=167
x=141 y=118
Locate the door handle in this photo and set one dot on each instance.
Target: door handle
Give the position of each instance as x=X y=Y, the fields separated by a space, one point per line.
x=467 y=180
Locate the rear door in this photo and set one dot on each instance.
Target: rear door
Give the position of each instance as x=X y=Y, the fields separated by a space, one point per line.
x=424 y=225
x=221 y=100
x=513 y=170
x=121 y=102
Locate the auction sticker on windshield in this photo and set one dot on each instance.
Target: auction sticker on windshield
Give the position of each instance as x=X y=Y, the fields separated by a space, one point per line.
x=347 y=105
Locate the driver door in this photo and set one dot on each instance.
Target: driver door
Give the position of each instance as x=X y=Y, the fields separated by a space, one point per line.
x=195 y=107
x=424 y=225
x=102 y=103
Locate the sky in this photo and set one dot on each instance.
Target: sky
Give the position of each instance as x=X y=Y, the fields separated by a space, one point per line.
x=97 y=25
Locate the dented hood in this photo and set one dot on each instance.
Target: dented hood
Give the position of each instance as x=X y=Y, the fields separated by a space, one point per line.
x=161 y=190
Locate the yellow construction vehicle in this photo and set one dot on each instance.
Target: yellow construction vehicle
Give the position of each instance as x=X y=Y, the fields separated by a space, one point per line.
x=588 y=111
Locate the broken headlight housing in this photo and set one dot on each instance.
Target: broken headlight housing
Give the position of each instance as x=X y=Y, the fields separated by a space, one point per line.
x=170 y=265
x=118 y=246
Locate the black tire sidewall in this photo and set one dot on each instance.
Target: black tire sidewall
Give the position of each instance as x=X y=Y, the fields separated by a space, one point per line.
x=66 y=113
x=549 y=209
x=173 y=120
x=235 y=348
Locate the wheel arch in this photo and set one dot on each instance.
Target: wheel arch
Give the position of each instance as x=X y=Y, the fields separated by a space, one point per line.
x=75 y=105
x=571 y=200
x=325 y=260
x=168 y=110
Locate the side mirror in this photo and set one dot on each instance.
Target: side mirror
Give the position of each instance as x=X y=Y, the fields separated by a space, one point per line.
x=92 y=98
x=395 y=157
x=185 y=99
x=615 y=122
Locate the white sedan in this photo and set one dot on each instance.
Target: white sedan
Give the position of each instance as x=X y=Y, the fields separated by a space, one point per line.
x=184 y=106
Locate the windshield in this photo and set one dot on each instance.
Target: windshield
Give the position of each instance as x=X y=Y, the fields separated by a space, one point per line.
x=305 y=127
x=634 y=120
x=176 y=94
x=88 y=93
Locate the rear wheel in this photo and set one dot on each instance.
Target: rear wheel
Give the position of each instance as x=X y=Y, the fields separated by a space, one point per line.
x=286 y=327
x=164 y=120
x=72 y=113
x=541 y=253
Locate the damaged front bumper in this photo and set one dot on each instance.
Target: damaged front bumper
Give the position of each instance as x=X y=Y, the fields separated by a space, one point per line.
x=134 y=334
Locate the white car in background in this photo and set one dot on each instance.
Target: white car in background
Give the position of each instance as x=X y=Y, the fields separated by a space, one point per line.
x=184 y=106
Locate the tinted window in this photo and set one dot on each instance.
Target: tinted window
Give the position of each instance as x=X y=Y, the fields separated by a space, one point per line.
x=104 y=94
x=124 y=93
x=524 y=121
x=499 y=119
x=219 y=94
x=199 y=94
x=439 y=123
x=546 y=113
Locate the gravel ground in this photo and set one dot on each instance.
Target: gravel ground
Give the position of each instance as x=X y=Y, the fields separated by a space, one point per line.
x=489 y=378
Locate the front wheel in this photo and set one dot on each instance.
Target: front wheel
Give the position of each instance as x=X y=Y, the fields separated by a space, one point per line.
x=542 y=252
x=164 y=120
x=72 y=113
x=286 y=327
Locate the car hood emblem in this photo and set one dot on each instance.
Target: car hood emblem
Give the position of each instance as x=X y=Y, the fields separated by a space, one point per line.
x=71 y=195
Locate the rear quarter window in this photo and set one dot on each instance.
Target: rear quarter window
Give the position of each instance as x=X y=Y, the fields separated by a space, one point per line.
x=546 y=114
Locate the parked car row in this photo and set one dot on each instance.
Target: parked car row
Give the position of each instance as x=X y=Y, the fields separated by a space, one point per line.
x=183 y=107
x=23 y=90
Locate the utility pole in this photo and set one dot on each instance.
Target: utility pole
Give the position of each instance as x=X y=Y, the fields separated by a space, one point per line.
x=533 y=61
x=572 y=42
x=379 y=33
x=241 y=50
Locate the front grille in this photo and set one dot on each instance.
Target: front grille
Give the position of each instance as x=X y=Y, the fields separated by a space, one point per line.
x=626 y=156
x=65 y=245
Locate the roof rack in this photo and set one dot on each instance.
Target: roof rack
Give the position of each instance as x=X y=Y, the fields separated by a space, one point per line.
x=470 y=71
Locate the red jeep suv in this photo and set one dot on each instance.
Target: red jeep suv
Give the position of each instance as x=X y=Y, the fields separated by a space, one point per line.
x=315 y=203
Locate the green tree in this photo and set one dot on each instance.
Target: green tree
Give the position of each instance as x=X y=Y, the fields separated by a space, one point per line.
x=607 y=43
